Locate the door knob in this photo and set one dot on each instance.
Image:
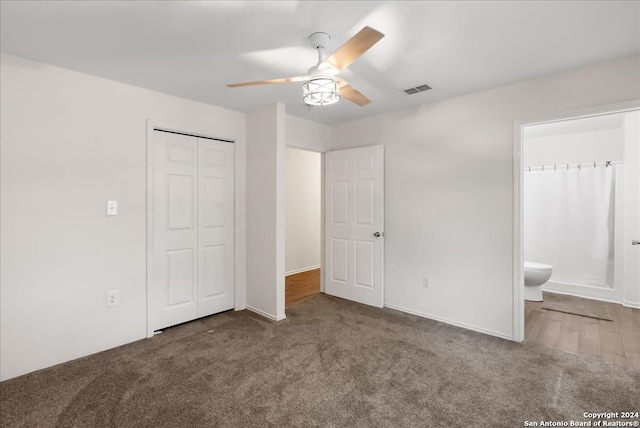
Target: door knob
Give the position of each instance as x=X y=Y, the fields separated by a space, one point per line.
x=377 y=234
x=634 y=242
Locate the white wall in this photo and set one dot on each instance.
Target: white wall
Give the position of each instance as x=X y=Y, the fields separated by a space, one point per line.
x=265 y=211
x=307 y=135
x=303 y=211
x=70 y=142
x=580 y=147
x=449 y=190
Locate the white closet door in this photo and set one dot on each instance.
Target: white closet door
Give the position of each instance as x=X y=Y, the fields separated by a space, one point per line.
x=173 y=290
x=193 y=229
x=215 y=226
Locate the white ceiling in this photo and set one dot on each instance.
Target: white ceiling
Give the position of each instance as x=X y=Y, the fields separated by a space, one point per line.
x=193 y=48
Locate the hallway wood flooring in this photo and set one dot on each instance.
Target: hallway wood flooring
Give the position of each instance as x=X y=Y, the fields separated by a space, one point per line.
x=301 y=286
x=616 y=341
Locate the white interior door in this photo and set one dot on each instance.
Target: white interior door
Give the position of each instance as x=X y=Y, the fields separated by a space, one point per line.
x=192 y=252
x=354 y=224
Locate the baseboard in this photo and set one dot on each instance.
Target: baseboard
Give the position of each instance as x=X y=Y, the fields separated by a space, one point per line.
x=266 y=315
x=307 y=269
x=592 y=292
x=600 y=299
x=625 y=303
x=451 y=322
x=628 y=304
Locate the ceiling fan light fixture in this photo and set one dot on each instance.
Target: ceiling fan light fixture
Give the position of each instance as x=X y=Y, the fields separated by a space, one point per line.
x=321 y=87
x=321 y=91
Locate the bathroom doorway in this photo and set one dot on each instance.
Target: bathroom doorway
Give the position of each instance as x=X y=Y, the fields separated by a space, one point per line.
x=587 y=152
x=573 y=194
x=303 y=224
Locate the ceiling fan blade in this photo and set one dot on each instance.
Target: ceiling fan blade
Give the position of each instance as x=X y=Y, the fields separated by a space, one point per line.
x=266 y=82
x=353 y=48
x=352 y=94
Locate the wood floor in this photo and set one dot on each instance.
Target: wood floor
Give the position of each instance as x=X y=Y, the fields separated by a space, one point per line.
x=616 y=341
x=301 y=286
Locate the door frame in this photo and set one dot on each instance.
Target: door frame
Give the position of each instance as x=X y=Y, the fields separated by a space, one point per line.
x=321 y=177
x=518 y=241
x=239 y=243
x=322 y=231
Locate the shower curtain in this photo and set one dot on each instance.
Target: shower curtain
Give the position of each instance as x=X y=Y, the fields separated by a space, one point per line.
x=566 y=222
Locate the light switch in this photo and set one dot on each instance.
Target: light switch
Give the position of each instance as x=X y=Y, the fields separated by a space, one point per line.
x=112 y=207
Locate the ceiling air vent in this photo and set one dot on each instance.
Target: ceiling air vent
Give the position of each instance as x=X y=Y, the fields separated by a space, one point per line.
x=417 y=89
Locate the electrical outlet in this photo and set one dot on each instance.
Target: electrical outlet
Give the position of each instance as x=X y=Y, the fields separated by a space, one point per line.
x=426 y=282
x=113 y=299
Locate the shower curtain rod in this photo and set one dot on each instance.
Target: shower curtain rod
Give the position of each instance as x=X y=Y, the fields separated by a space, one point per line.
x=572 y=165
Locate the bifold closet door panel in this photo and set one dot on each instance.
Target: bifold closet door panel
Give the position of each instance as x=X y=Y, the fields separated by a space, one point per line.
x=173 y=289
x=215 y=226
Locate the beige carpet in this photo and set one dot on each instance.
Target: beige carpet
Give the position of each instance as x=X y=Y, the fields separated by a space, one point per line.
x=331 y=363
x=577 y=306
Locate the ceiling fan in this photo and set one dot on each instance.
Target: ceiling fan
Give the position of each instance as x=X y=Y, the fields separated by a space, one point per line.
x=322 y=86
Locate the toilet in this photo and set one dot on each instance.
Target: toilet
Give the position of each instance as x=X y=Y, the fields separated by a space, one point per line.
x=535 y=274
